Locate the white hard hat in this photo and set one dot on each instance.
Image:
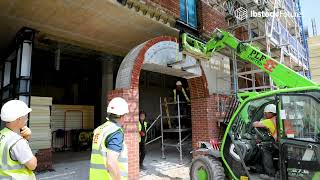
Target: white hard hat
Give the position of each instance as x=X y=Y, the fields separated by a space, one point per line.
x=14 y=109
x=270 y=108
x=178 y=83
x=118 y=106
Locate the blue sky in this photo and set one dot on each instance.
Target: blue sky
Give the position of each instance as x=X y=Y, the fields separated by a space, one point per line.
x=311 y=9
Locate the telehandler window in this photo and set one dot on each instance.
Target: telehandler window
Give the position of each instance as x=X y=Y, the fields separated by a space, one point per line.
x=300 y=116
x=251 y=112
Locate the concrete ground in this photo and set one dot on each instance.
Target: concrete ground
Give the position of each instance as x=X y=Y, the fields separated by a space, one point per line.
x=75 y=165
x=68 y=166
x=165 y=169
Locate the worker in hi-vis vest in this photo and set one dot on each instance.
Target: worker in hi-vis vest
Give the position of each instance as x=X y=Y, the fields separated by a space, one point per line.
x=109 y=156
x=179 y=90
x=183 y=100
x=16 y=158
x=142 y=125
x=270 y=114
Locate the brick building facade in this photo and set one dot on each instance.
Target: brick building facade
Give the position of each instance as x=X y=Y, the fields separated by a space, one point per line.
x=204 y=106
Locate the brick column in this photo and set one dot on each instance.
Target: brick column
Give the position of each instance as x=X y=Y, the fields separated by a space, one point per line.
x=130 y=123
x=204 y=111
x=44 y=157
x=205 y=118
x=127 y=87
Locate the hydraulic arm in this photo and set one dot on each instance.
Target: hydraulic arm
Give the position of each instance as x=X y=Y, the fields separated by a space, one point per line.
x=282 y=76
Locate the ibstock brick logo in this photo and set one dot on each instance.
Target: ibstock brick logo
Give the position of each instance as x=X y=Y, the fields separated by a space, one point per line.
x=241 y=13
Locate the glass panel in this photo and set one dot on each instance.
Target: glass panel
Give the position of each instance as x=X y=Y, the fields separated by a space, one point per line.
x=183 y=10
x=300 y=115
x=24 y=86
x=253 y=111
x=192 y=13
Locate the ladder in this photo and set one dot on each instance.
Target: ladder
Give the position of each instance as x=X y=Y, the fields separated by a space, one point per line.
x=167 y=111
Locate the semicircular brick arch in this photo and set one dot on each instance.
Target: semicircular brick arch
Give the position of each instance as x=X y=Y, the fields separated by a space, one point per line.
x=127 y=86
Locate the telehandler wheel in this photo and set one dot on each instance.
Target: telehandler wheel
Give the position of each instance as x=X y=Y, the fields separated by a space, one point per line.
x=206 y=168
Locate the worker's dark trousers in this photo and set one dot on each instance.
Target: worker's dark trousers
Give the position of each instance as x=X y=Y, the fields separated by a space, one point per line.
x=267 y=161
x=142 y=152
x=183 y=109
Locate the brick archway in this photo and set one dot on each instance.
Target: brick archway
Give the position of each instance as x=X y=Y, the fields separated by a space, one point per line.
x=127 y=86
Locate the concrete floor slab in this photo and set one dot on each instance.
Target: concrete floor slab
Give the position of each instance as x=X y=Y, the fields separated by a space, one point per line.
x=68 y=166
x=75 y=165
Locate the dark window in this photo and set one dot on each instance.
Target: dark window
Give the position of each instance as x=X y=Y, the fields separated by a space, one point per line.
x=188 y=12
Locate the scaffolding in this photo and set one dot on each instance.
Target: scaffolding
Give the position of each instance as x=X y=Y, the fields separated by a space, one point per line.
x=183 y=132
x=280 y=34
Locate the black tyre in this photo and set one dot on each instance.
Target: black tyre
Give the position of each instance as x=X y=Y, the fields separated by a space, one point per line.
x=206 y=168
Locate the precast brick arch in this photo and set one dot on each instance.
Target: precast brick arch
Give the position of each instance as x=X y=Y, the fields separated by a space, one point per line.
x=127 y=86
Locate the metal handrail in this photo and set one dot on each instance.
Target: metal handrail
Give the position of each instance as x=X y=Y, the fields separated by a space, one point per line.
x=154 y=122
x=151 y=126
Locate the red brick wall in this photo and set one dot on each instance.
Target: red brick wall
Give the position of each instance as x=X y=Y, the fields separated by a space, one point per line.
x=44 y=157
x=241 y=33
x=172 y=7
x=198 y=87
x=209 y=18
x=205 y=116
x=204 y=111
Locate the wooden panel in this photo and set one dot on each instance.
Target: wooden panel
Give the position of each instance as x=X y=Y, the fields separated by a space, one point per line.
x=75 y=115
x=41 y=100
x=40 y=122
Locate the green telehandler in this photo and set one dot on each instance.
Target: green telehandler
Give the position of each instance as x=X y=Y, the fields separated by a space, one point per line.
x=295 y=151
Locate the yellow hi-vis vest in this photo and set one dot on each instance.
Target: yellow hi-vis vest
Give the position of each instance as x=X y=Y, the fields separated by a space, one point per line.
x=140 y=128
x=184 y=94
x=11 y=169
x=271 y=127
x=99 y=154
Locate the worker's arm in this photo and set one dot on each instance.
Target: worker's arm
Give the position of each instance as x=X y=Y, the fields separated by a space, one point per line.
x=185 y=95
x=32 y=164
x=112 y=164
x=22 y=153
x=114 y=145
x=258 y=124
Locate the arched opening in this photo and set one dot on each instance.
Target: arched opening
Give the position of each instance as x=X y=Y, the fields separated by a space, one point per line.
x=153 y=57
